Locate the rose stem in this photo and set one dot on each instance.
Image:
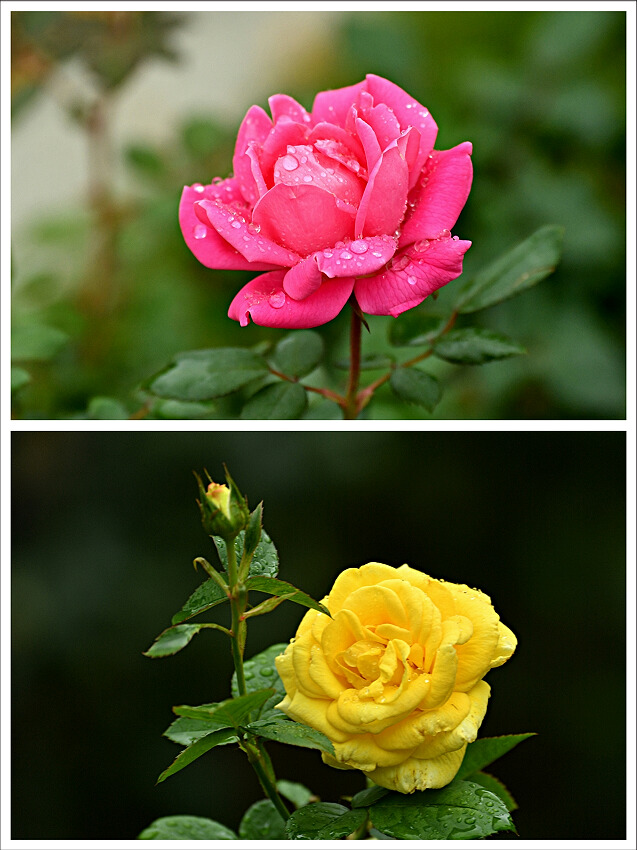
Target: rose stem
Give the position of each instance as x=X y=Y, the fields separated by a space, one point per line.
x=255 y=750
x=351 y=408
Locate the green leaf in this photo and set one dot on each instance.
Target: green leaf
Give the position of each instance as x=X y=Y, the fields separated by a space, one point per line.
x=19 y=378
x=252 y=535
x=201 y=746
x=496 y=787
x=283 y=400
x=368 y=796
x=260 y=672
x=517 y=270
x=368 y=362
x=482 y=752
x=230 y=712
x=205 y=597
x=36 y=342
x=458 y=811
x=416 y=327
x=101 y=407
x=298 y=353
x=475 y=346
x=326 y=821
x=186 y=731
x=209 y=373
x=174 y=638
x=187 y=828
x=275 y=728
x=294 y=792
x=265 y=561
x=417 y=387
x=282 y=588
x=262 y=821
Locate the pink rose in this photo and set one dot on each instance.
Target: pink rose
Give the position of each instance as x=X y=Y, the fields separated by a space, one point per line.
x=351 y=197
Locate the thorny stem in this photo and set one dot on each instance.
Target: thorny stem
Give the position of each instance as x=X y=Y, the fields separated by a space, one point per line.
x=254 y=749
x=257 y=758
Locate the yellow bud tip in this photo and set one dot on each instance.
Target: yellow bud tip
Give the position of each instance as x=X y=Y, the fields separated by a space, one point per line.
x=219 y=496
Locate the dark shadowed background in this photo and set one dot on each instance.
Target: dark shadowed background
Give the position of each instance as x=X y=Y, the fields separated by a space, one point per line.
x=105 y=528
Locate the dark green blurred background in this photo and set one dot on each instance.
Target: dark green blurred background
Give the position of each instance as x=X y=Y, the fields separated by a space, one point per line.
x=541 y=94
x=105 y=528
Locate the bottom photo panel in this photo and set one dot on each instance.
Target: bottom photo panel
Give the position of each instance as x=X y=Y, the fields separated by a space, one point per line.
x=313 y=635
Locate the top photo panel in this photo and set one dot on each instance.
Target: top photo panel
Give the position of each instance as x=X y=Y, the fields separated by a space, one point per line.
x=324 y=215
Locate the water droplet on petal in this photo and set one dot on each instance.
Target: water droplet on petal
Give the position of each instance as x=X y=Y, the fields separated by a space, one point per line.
x=276 y=300
x=346 y=256
x=400 y=263
x=236 y=224
x=307 y=178
x=198 y=187
x=422 y=245
x=455 y=238
x=328 y=254
x=289 y=162
x=359 y=246
x=411 y=280
x=376 y=254
x=444 y=234
x=200 y=231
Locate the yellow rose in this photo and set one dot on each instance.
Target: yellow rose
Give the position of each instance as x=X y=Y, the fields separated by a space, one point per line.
x=395 y=677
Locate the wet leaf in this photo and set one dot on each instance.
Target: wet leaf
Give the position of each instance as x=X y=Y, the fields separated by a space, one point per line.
x=324 y=821
x=289 y=732
x=484 y=751
x=262 y=822
x=201 y=746
x=283 y=588
x=206 y=596
x=187 y=828
x=474 y=346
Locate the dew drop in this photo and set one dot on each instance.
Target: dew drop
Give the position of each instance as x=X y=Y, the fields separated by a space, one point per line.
x=422 y=245
x=346 y=256
x=376 y=254
x=444 y=234
x=236 y=224
x=328 y=254
x=248 y=675
x=411 y=280
x=400 y=263
x=198 y=187
x=200 y=231
x=359 y=246
x=268 y=671
x=455 y=238
x=276 y=300
x=289 y=162
x=307 y=178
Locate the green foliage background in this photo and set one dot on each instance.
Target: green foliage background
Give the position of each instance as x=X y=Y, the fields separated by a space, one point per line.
x=105 y=294
x=105 y=528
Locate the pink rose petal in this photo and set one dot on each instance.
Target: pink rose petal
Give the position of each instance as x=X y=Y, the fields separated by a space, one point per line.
x=265 y=302
x=303 y=279
x=385 y=198
x=325 y=131
x=384 y=124
x=303 y=165
x=202 y=239
x=411 y=277
x=408 y=111
x=302 y=218
x=254 y=128
x=284 y=106
x=334 y=105
x=255 y=246
x=370 y=143
x=358 y=257
x=440 y=194
x=283 y=134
